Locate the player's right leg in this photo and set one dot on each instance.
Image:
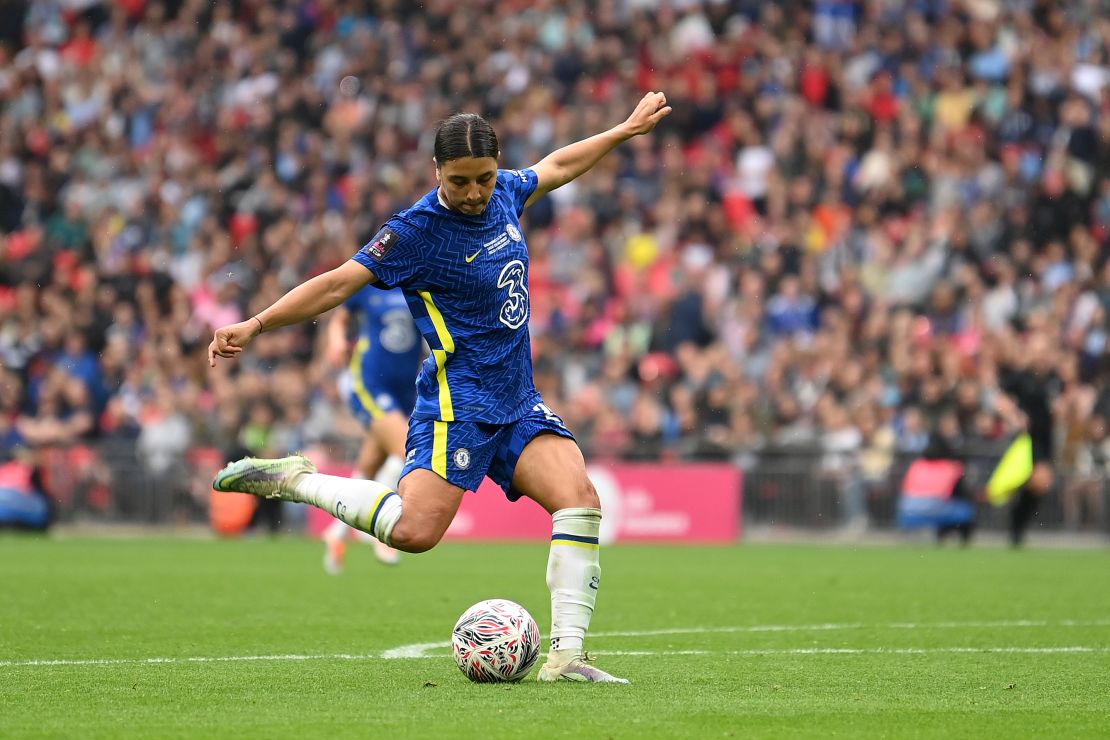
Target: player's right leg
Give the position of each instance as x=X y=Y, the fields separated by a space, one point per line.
x=430 y=506
x=370 y=459
x=387 y=435
x=412 y=518
x=363 y=504
x=373 y=463
x=381 y=458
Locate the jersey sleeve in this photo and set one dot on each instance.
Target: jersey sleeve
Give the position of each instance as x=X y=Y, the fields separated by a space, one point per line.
x=393 y=255
x=520 y=184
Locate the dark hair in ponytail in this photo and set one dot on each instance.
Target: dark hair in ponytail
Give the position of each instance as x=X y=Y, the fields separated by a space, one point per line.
x=464 y=135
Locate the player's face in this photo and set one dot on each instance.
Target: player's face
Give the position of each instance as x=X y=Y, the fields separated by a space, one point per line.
x=467 y=183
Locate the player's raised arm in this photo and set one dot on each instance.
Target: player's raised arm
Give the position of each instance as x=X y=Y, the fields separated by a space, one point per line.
x=564 y=165
x=311 y=298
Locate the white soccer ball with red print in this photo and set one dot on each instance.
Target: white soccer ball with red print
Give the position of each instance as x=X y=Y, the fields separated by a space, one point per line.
x=496 y=640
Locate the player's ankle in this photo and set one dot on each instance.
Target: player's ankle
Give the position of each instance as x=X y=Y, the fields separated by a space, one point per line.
x=563 y=655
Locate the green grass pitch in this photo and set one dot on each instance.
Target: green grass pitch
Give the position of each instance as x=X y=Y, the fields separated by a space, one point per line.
x=249 y=638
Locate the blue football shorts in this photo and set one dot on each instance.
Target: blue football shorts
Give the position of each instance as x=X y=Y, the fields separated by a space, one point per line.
x=368 y=402
x=465 y=452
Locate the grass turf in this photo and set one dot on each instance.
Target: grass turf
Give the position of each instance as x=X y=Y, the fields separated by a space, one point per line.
x=755 y=641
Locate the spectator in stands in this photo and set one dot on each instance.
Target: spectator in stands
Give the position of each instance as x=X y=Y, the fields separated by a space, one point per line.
x=904 y=189
x=24 y=504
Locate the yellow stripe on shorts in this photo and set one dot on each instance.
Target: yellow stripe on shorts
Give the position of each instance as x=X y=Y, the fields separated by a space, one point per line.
x=439 y=449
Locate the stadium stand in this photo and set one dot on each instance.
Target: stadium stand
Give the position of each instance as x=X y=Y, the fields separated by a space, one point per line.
x=858 y=214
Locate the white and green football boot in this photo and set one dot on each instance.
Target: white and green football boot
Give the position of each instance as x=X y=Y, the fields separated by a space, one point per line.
x=574 y=667
x=268 y=478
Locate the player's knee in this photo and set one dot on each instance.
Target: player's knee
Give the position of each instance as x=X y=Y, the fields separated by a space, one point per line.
x=414 y=540
x=587 y=495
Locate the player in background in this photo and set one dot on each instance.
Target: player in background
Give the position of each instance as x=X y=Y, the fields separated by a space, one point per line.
x=381 y=390
x=1029 y=386
x=460 y=257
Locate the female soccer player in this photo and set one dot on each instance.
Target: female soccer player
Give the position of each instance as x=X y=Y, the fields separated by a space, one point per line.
x=460 y=257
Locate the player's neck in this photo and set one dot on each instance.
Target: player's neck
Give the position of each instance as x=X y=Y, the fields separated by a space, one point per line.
x=443 y=201
x=446 y=204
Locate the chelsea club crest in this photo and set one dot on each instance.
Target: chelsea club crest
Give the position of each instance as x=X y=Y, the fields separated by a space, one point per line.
x=462 y=458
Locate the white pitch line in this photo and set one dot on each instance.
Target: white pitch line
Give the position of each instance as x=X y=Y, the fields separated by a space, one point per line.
x=186 y=659
x=1057 y=650
x=854 y=626
x=419 y=650
x=416 y=650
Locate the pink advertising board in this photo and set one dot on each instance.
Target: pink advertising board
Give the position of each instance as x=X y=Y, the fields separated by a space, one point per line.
x=642 y=503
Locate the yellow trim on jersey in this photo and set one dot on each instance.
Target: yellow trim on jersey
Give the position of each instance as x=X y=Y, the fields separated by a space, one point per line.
x=359 y=387
x=439 y=448
x=444 y=335
x=446 y=408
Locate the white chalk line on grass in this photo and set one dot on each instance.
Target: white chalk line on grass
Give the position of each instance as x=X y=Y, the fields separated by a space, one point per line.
x=421 y=650
x=1057 y=650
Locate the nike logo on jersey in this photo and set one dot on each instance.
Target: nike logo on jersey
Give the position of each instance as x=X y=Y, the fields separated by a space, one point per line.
x=474 y=256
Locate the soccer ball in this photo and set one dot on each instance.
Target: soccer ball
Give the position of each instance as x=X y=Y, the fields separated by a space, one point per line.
x=496 y=640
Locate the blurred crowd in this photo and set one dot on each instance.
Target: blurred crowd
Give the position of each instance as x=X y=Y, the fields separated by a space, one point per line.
x=858 y=215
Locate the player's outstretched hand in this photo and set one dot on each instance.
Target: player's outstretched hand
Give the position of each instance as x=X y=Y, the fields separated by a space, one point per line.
x=230 y=340
x=651 y=109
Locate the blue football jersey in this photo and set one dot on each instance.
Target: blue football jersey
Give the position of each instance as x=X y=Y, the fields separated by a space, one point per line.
x=466 y=282
x=389 y=348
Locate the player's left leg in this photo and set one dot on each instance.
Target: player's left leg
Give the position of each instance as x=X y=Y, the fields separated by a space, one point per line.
x=551 y=471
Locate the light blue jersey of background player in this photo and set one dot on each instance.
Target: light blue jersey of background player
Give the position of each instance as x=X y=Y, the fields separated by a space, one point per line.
x=385 y=360
x=380 y=386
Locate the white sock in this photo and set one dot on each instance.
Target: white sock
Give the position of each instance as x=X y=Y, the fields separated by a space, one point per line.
x=389 y=474
x=573 y=575
x=365 y=505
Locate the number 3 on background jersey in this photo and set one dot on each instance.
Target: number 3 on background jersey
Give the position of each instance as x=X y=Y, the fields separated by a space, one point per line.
x=514 y=312
x=398 y=332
